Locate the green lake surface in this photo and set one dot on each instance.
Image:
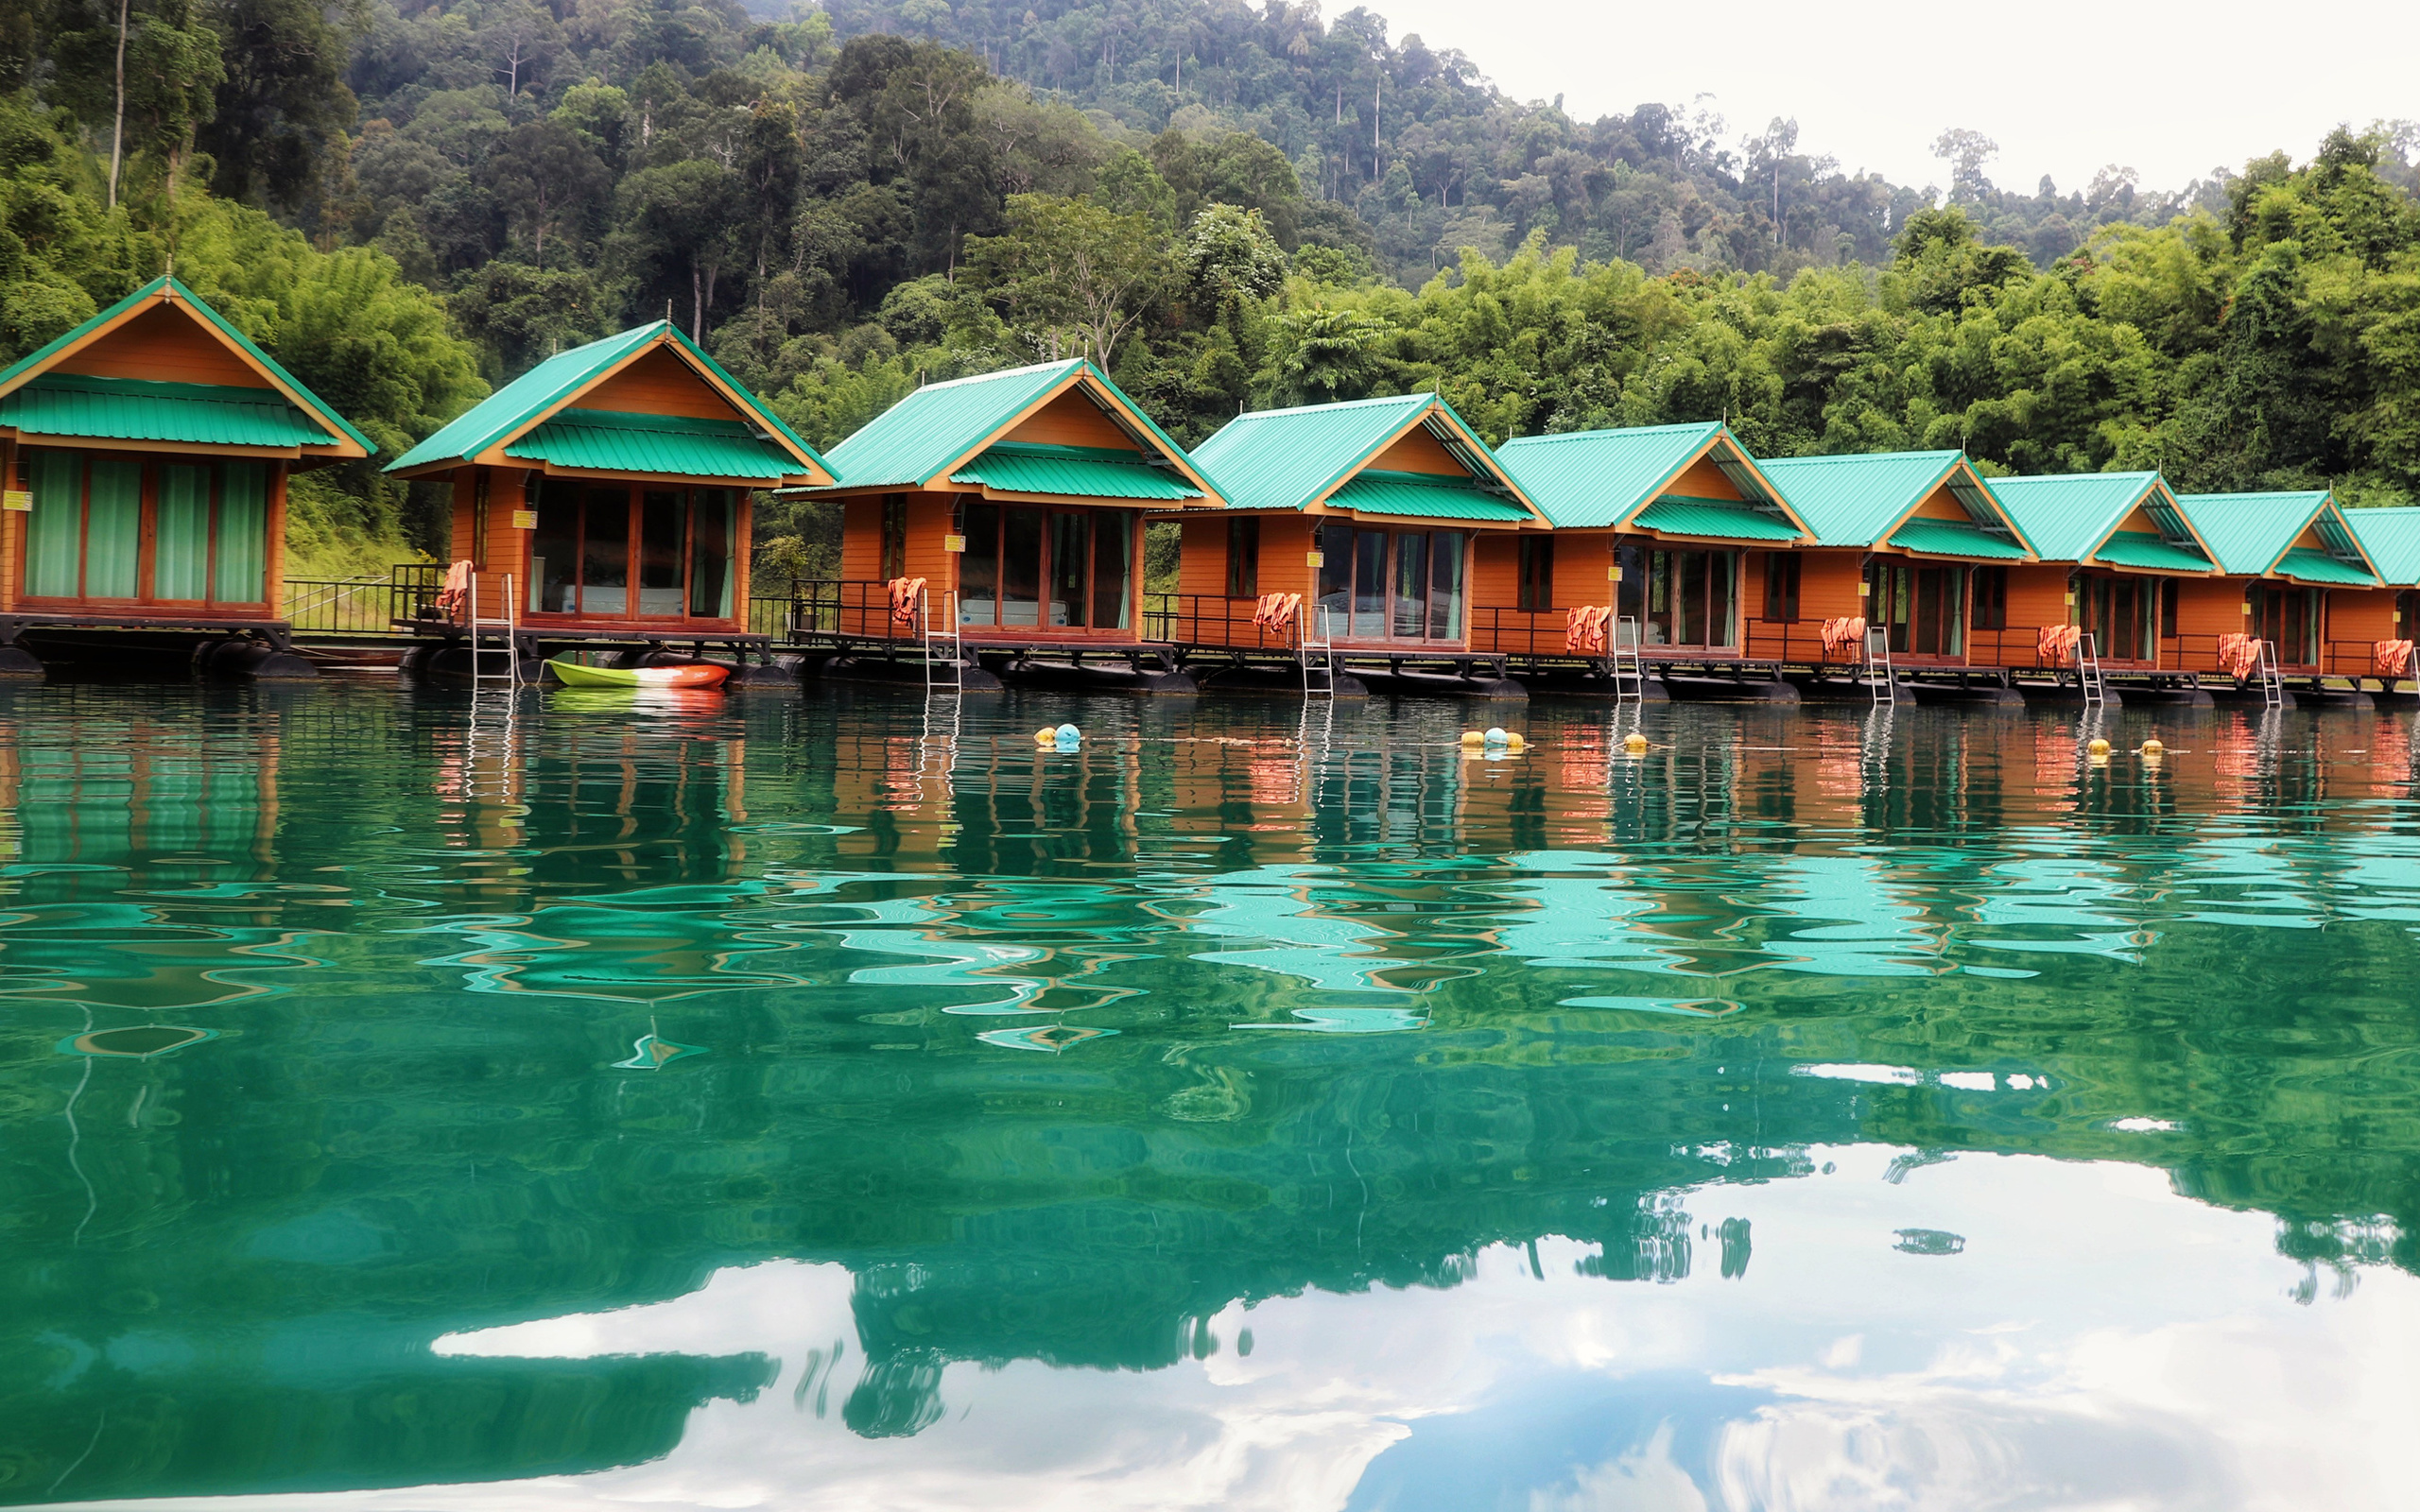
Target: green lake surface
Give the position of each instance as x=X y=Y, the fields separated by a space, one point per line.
x=819 y=1101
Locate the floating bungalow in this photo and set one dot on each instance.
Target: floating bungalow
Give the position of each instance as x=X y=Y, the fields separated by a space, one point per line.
x=2389 y=539
x=1911 y=544
x=2114 y=553
x=610 y=485
x=2296 y=578
x=1651 y=522
x=1375 y=527
x=1002 y=514
x=145 y=456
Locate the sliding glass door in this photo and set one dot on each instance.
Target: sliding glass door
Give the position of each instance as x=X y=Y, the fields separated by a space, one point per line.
x=1684 y=596
x=1047 y=569
x=2121 y=614
x=1922 y=606
x=630 y=552
x=115 y=526
x=1391 y=585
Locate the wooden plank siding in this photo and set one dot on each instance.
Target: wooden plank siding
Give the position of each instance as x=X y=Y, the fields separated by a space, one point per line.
x=658 y=383
x=1828 y=579
x=1071 y=419
x=164 y=344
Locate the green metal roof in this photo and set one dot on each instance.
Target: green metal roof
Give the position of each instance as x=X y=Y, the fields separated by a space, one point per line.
x=910 y=443
x=1422 y=495
x=1855 y=500
x=2065 y=515
x=330 y=424
x=2248 y=532
x=2139 y=548
x=1590 y=479
x=2305 y=565
x=1295 y=458
x=2392 y=540
x=135 y=409
x=1079 y=471
x=1955 y=538
x=1719 y=518
x=611 y=440
x=517 y=405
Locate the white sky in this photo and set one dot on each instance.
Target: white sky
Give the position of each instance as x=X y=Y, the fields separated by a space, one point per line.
x=2168 y=89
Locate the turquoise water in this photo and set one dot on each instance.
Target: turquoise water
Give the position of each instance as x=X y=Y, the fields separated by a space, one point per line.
x=704 y=1101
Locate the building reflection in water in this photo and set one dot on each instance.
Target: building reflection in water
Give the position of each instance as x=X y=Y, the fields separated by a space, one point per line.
x=987 y=1072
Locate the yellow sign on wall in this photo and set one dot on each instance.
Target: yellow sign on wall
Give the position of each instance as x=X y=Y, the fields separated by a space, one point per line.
x=953 y=542
x=20 y=500
x=525 y=519
x=1314 y=558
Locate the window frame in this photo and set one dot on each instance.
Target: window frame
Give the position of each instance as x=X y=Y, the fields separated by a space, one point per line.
x=148 y=489
x=1095 y=517
x=634 y=492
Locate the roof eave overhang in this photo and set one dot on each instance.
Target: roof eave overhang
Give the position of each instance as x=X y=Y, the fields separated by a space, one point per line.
x=340 y=446
x=1441 y=413
x=1720 y=437
x=1156 y=445
x=116 y=443
x=491 y=452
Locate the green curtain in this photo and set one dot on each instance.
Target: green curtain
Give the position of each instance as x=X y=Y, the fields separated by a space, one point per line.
x=114 y=528
x=181 y=533
x=55 y=534
x=243 y=533
x=714 y=526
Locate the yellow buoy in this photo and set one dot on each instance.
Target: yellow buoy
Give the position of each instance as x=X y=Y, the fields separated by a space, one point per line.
x=1472 y=738
x=2098 y=748
x=2153 y=749
x=1047 y=736
x=1634 y=742
x=1514 y=742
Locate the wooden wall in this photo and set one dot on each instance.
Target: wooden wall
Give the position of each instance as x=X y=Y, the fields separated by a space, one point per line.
x=1495 y=575
x=2363 y=614
x=164 y=344
x=1827 y=583
x=1582 y=561
x=1416 y=451
x=659 y=382
x=1201 y=556
x=1701 y=479
x=1071 y=420
x=2037 y=596
x=2209 y=607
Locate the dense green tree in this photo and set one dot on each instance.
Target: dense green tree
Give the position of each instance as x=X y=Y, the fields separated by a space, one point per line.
x=282 y=100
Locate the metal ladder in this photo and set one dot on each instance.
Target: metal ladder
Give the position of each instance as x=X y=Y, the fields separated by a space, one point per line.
x=1629 y=672
x=942 y=675
x=2088 y=678
x=483 y=648
x=1880 y=680
x=2273 y=687
x=1316 y=652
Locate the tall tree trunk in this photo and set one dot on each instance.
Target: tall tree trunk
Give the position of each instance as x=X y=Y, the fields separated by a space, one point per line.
x=696 y=302
x=117 y=128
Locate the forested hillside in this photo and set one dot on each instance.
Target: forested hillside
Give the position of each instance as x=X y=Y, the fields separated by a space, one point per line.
x=1228 y=206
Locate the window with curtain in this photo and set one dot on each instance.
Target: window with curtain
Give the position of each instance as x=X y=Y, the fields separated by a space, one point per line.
x=1683 y=596
x=1782 y=575
x=207 y=521
x=1399 y=585
x=1534 y=589
x=1243 y=556
x=894 y=536
x=1047 y=569
x=1990 y=600
x=1918 y=603
x=623 y=551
